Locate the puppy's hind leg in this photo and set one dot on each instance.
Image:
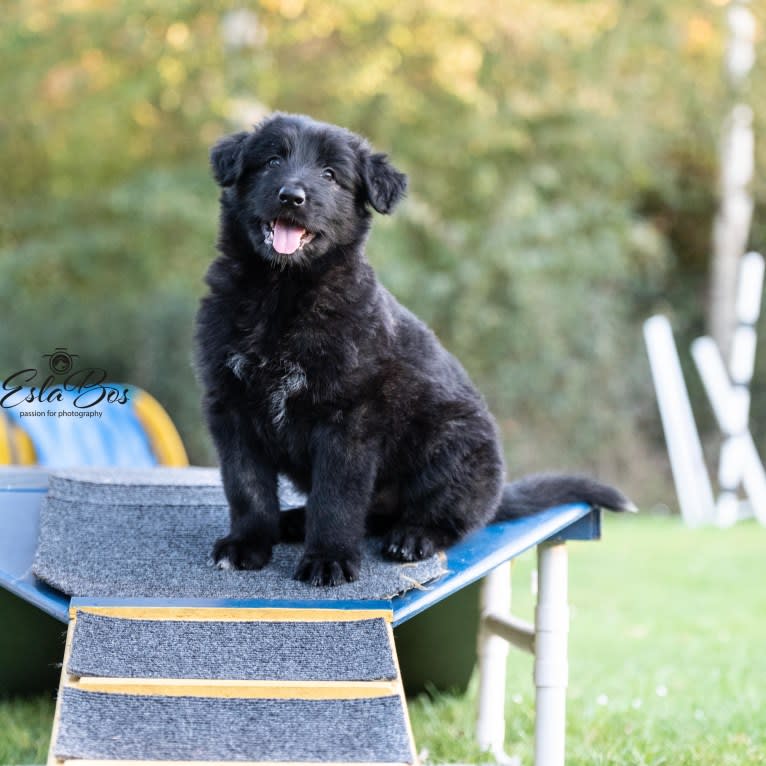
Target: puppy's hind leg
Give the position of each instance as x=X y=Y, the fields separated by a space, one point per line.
x=250 y=484
x=445 y=502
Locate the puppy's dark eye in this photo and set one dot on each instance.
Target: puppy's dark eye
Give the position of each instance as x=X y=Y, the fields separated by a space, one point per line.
x=274 y=162
x=328 y=174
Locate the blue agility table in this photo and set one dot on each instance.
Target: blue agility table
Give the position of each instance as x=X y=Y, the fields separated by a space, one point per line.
x=484 y=554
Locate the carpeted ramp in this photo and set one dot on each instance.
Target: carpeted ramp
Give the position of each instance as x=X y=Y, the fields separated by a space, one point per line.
x=353 y=650
x=150 y=676
x=154 y=727
x=206 y=684
x=121 y=533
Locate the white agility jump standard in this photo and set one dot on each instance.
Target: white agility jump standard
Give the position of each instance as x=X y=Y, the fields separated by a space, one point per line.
x=727 y=388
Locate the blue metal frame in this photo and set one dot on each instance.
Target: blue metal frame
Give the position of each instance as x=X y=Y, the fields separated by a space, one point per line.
x=21 y=493
x=479 y=553
x=19 y=519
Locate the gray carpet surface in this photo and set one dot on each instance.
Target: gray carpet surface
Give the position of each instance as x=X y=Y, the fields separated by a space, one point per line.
x=162 y=551
x=116 y=726
x=126 y=486
x=357 y=650
x=150 y=486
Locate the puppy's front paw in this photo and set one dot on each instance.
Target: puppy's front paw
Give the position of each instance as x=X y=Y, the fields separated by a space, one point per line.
x=326 y=570
x=232 y=552
x=408 y=544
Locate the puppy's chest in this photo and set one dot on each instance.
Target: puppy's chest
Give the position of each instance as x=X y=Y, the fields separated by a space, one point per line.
x=278 y=379
x=286 y=362
x=270 y=377
x=284 y=392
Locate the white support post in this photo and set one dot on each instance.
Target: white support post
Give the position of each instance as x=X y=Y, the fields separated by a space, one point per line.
x=493 y=659
x=740 y=461
x=733 y=458
x=695 y=494
x=732 y=222
x=551 y=661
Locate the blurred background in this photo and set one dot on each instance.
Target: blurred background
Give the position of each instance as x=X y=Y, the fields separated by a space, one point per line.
x=563 y=169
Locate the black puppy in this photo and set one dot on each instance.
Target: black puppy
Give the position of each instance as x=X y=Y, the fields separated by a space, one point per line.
x=313 y=370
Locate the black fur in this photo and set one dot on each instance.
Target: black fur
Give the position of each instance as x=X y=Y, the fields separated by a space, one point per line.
x=547 y=490
x=312 y=369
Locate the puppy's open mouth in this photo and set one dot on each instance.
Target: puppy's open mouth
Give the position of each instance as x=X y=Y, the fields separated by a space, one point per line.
x=285 y=237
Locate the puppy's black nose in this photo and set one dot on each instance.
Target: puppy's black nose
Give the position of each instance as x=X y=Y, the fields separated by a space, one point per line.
x=294 y=196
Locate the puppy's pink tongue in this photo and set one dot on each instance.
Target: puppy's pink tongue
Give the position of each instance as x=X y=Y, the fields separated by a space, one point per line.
x=287 y=239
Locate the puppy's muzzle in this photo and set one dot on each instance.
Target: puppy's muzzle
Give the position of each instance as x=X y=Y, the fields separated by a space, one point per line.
x=292 y=196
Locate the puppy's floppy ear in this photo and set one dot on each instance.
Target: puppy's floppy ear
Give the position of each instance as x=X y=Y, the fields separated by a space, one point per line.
x=226 y=158
x=384 y=183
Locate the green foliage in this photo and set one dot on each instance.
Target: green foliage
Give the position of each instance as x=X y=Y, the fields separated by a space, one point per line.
x=562 y=164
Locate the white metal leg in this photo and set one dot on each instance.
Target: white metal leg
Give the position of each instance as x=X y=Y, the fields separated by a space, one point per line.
x=547 y=640
x=493 y=659
x=551 y=663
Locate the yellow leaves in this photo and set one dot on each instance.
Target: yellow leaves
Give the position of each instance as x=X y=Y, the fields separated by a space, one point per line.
x=178 y=35
x=456 y=68
x=245 y=112
x=172 y=70
x=59 y=83
x=373 y=72
x=145 y=114
x=272 y=6
x=401 y=37
x=80 y=6
x=291 y=9
x=579 y=23
x=92 y=60
x=100 y=72
x=38 y=21
x=173 y=73
x=701 y=35
x=325 y=19
x=170 y=99
x=64 y=80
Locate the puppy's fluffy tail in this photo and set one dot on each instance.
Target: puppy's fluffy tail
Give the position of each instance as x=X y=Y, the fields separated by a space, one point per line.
x=540 y=491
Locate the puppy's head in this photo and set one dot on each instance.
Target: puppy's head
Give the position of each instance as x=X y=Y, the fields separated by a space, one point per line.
x=302 y=188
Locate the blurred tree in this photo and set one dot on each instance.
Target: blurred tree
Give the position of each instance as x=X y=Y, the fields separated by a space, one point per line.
x=562 y=163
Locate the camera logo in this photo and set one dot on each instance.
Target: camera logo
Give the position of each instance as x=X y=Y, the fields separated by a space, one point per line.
x=60 y=361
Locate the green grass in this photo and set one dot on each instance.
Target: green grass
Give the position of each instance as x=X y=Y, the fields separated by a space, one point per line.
x=25 y=726
x=667 y=657
x=667 y=653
